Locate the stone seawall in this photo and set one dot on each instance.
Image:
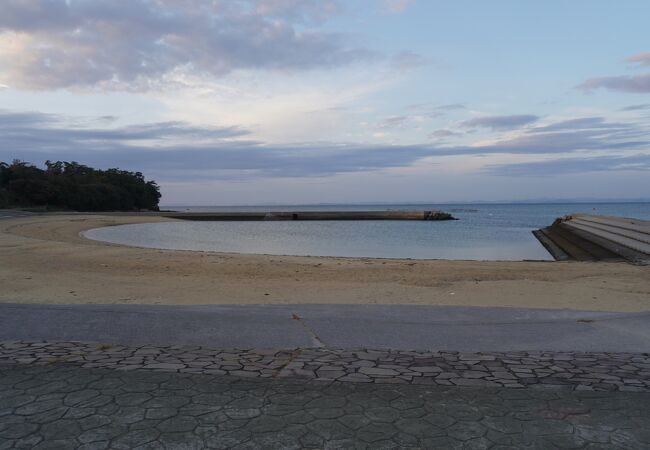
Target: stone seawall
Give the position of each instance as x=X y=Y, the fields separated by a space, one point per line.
x=311 y=215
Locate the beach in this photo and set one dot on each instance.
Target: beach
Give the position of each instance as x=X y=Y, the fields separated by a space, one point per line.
x=43 y=259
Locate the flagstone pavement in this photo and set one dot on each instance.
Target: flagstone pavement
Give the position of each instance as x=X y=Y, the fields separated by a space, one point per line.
x=85 y=396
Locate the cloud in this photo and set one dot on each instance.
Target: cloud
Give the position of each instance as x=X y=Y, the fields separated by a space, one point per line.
x=443 y=133
x=394 y=122
x=421 y=113
x=640 y=162
x=642 y=59
x=431 y=110
x=637 y=84
x=436 y=107
x=303 y=11
x=396 y=6
x=500 y=122
x=179 y=151
x=556 y=143
x=568 y=136
x=636 y=107
x=451 y=107
x=49 y=44
x=174 y=150
x=407 y=60
x=582 y=123
x=407 y=120
x=50 y=133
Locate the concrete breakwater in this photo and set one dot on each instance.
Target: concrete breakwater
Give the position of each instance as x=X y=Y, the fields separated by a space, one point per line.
x=585 y=237
x=310 y=215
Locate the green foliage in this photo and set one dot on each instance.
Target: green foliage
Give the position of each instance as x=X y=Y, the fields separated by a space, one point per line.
x=70 y=185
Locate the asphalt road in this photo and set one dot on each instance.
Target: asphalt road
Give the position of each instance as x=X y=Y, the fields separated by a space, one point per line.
x=400 y=327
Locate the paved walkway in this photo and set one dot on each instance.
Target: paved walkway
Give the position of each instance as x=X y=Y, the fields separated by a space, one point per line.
x=584 y=381
x=54 y=406
x=567 y=371
x=334 y=326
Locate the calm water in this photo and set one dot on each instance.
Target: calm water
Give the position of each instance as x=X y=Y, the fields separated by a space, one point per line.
x=484 y=232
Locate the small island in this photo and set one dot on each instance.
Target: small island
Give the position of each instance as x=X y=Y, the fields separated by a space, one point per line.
x=72 y=186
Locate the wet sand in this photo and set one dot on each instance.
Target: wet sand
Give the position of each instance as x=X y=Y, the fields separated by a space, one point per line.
x=43 y=259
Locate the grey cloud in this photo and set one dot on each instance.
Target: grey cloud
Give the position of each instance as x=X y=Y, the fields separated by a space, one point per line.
x=443 y=133
x=624 y=83
x=176 y=129
x=240 y=161
x=420 y=112
x=432 y=110
x=129 y=44
x=583 y=123
x=565 y=137
x=436 y=107
x=555 y=143
x=408 y=120
x=173 y=150
x=29 y=131
x=642 y=59
x=10 y=120
x=639 y=162
x=107 y=119
x=636 y=107
x=178 y=151
x=304 y=11
x=637 y=84
x=394 y=122
x=500 y=122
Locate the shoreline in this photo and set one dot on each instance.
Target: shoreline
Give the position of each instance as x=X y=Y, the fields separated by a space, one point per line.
x=43 y=259
x=83 y=235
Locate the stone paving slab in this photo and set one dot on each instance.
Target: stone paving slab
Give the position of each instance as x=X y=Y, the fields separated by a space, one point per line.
x=516 y=370
x=69 y=407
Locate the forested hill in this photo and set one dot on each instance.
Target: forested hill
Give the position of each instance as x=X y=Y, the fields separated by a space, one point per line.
x=73 y=186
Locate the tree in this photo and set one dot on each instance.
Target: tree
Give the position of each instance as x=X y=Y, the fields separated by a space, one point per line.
x=4 y=179
x=70 y=185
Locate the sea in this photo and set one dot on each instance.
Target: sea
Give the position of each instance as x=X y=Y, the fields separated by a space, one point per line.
x=483 y=231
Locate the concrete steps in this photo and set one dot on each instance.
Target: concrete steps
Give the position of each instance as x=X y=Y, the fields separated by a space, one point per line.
x=615 y=238
x=642 y=226
x=584 y=237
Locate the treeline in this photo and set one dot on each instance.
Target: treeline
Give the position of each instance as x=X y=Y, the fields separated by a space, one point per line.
x=73 y=186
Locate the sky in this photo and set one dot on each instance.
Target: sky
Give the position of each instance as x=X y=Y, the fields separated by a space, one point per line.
x=227 y=102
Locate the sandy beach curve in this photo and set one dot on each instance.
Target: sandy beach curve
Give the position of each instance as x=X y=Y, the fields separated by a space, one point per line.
x=44 y=259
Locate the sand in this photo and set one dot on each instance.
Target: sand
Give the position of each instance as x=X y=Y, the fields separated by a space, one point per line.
x=43 y=259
